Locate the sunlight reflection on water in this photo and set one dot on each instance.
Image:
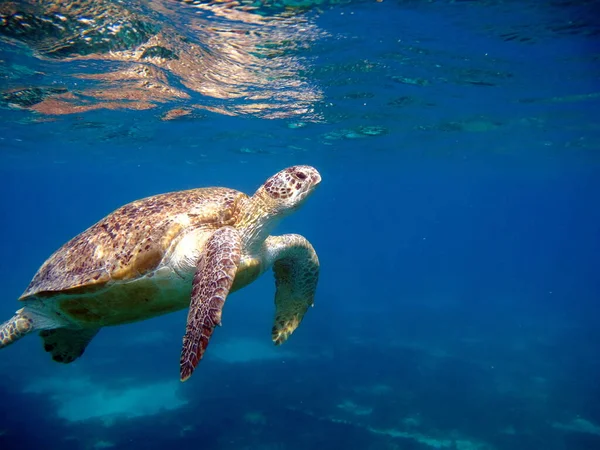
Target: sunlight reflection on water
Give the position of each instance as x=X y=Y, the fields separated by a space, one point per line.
x=221 y=57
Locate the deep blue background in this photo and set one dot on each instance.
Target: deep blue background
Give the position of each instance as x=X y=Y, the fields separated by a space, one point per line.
x=459 y=249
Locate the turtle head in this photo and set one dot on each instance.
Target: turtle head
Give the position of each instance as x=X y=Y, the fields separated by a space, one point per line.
x=281 y=195
x=287 y=190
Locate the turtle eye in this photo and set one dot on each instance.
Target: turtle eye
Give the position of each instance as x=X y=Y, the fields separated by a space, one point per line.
x=301 y=175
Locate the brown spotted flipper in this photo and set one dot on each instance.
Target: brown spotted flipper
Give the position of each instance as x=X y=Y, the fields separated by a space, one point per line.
x=15 y=328
x=296 y=268
x=67 y=344
x=214 y=276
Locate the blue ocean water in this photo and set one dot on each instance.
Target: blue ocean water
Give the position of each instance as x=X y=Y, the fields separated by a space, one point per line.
x=457 y=223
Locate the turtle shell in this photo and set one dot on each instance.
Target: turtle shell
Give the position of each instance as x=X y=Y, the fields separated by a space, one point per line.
x=133 y=240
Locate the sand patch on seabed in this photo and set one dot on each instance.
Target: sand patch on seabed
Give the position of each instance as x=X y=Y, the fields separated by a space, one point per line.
x=579 y=425
x=353 y=408
x=451 y=442
x=242 y=350
x=77 y=398
x=103 y=444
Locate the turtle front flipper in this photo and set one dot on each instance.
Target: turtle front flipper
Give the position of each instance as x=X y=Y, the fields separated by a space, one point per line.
x=296 y=268
x=214 y=276
x=15 y=328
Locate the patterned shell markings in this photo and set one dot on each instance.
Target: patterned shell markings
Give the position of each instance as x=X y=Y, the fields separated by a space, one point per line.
x=132 y=240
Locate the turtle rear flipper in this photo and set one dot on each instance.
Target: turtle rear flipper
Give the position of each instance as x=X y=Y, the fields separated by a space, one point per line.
x=66 y=345
x=15 y=328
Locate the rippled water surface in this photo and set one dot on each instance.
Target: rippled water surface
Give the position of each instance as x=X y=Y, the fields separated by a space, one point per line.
x=457 y=222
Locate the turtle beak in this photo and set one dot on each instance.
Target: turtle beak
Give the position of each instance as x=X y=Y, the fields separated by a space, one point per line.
x=316 y=179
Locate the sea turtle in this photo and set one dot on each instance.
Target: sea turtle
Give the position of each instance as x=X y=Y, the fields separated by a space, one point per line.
x=186 y=249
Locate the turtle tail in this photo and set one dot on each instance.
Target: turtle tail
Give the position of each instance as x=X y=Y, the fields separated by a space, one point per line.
x=15 y=328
